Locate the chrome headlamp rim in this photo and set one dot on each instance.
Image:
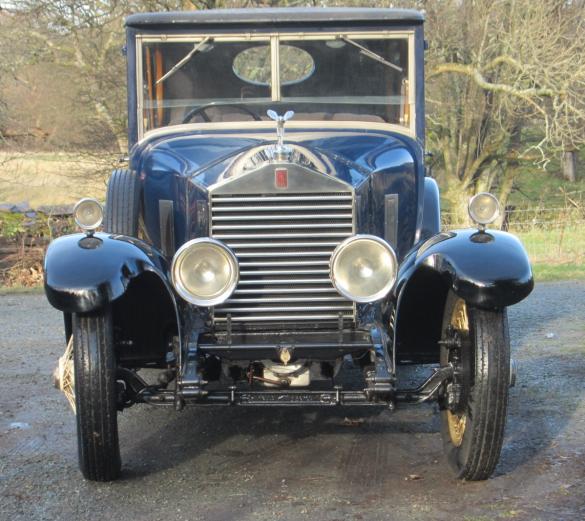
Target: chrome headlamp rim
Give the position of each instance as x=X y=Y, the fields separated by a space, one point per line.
x=383 y=292
x=85 y=227
x=473 y=216
x=185 y=293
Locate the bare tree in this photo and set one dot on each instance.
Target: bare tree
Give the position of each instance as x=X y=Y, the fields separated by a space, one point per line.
x=506 y=78
x=501 y=74
x=86 y=37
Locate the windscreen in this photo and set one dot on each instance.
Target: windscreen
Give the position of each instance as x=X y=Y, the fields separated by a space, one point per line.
x=322 y=78
x=354 y=79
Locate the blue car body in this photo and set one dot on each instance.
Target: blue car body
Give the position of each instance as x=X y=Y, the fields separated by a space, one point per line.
x=179 y=168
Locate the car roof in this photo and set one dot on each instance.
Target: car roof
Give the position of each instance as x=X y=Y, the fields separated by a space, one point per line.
x=276 y=16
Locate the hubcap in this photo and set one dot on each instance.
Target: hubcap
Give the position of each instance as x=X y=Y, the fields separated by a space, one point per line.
x=460 y=325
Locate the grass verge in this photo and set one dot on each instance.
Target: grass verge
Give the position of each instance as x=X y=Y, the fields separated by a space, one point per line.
x=553 y=272
x=52 y=178
x=21 y=290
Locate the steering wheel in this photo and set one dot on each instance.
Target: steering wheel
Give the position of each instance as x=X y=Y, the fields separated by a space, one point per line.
x=201 y=111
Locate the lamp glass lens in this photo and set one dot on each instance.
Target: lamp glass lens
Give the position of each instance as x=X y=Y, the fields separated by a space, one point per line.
x=363 y=269
x=206 y=271
x=484 y=208
x=88 y=214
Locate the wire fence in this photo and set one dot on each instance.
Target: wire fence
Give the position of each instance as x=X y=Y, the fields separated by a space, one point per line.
x=553 y=235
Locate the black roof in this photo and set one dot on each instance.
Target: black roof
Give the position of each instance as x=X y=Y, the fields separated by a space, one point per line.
x=276 y=16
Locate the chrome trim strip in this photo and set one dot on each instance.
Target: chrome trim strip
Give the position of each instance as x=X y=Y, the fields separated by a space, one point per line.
x=264 y=245
x=222 y=198
x=222 y=209
x=277 y=309
x=284 y=272
x=282 y=282
x=264 y=37
x=273 y=218
x=275 y=68
x=140 y=92
x=271 y=254
x=286 y=290
x=294 y=262
x=313 y=235
x=271 y=318
x=279 y=226
x=282 y=299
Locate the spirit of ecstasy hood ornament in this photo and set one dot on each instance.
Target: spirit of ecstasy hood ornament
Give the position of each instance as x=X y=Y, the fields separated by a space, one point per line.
x=280 y=121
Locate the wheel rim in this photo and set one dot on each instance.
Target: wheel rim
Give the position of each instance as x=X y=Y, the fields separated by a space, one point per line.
x=457 y=422
x=65 y=374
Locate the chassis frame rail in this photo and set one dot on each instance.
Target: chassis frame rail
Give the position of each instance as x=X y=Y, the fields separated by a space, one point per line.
x=290 y=398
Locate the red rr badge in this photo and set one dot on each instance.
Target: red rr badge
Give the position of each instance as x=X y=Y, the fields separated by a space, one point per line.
x=281 y=178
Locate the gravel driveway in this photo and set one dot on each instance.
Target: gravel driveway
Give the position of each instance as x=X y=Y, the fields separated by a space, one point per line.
x=270 y=464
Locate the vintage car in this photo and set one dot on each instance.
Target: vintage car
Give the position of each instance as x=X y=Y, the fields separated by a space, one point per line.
x=275 y=231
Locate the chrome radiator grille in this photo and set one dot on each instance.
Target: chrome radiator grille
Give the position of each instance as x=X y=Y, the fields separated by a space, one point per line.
x=283 y=244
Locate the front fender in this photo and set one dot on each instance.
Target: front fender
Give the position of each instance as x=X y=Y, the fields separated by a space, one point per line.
x=84 y=273
x=487 y=269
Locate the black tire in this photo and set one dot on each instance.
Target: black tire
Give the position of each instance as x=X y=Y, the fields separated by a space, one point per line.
x=122 y=203
x=96 y=396
x=473 y=451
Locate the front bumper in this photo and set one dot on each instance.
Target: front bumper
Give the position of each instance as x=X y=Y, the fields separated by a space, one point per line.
x=318 y=345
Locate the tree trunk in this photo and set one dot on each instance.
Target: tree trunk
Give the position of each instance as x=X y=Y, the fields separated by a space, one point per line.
x=457 y=198
x=569 y=165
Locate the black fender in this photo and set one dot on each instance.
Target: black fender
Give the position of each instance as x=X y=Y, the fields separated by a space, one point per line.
x=488 y=270
x=84 y=274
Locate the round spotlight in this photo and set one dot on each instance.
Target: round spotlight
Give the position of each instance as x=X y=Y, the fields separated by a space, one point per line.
x=205 y=272
x=88 y=214
x=363 y=268
x=484 y=208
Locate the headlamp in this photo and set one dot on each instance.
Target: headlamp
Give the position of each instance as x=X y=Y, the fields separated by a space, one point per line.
x=363 y=268
x=204 y=272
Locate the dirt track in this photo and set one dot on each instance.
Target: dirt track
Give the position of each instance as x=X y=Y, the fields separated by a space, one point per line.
x=251 y=464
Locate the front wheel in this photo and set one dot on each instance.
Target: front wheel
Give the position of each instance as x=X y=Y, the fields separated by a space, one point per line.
x=474 y=404
x=96 y=396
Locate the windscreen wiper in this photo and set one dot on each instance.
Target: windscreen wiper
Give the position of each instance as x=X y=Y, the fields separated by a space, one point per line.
x=371 y=54
x=184 y=60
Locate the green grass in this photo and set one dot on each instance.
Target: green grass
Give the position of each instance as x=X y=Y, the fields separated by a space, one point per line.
x=50 y=178
x=536 y=186
x=20 y=290
x=555 y=272
x=543 y=188
x=556 y=254
x=555 y=245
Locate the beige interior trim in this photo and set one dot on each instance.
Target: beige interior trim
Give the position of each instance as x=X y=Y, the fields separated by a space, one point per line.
x=253 y=126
